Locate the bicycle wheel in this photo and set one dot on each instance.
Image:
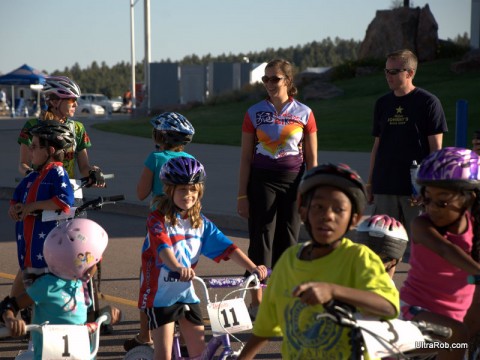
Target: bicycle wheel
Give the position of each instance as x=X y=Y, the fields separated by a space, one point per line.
x=139 y=353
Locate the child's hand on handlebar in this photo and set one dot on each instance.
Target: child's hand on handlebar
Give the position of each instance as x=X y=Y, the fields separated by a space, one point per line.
x=261 y=271
x=186 y=273
x=17 y=326
x=314 y=293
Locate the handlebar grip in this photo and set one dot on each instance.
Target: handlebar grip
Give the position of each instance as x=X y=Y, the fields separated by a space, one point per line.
x=174 y=275
x=473 y=279
x=114 y=198
x=435 y=329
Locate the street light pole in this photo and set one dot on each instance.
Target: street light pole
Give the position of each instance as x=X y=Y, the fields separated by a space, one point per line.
x=148 y=56
x=132 y=44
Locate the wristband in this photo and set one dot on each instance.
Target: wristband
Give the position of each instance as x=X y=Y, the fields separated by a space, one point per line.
x=242 y=197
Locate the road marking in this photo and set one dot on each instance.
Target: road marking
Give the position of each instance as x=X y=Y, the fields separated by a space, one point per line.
x=117 y=299
x=7 y=276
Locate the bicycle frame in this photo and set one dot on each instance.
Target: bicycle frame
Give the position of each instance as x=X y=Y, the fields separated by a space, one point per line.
x=223 y=340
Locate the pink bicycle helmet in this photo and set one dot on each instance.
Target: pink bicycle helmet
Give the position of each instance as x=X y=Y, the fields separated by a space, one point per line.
x=73 y=247
x=182 y=171
x=383 y=234
x=451 y=167
x=62 y=87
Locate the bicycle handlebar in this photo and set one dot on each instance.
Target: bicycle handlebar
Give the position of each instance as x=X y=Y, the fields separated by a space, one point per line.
x=343 y=314
x=223 y=283
x=93 y=204
x=428 y=328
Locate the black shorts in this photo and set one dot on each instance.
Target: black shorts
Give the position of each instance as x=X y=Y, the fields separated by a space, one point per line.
x=159 y=316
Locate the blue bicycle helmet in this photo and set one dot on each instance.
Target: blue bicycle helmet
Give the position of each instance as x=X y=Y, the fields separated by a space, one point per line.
x=182 y=171
x=175 y=128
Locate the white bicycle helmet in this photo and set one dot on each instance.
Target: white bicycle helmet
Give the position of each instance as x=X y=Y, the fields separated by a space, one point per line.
x=383 y=234
x=62 y=87
x=73 y=247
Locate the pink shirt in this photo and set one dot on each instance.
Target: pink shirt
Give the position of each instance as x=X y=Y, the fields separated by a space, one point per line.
x=435 y=284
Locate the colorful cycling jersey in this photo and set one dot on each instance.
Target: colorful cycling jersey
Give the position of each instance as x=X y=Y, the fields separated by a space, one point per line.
x=279 y=136
x=157 y=288
x=52 y=183
x=82 y=141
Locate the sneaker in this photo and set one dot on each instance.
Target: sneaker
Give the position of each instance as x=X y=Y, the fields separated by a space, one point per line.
x=129 y=344
x=252 y=311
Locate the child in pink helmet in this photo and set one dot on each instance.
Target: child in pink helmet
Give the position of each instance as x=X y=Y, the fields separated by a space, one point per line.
x=71 y=250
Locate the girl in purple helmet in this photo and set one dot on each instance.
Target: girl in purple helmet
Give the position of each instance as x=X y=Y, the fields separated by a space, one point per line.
x=445 y=244
x=178 y=233
x=171 y=133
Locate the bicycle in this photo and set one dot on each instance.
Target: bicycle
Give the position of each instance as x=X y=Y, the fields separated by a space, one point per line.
x=384 y=338
x=65 y=341
x=227 y=317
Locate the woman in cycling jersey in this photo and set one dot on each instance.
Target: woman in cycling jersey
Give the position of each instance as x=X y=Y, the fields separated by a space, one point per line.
x=61 y=94
x=279 y=141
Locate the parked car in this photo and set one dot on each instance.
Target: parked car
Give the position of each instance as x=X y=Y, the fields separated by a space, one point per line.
x=103 y=101
x=87 y=108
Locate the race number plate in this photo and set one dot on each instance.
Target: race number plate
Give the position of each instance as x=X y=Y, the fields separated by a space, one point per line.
x=229 y=316
x=390 y=337
x=77 y=188
x=65 y=342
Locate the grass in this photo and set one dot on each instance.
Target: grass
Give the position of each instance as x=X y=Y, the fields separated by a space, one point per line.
x=344 y=123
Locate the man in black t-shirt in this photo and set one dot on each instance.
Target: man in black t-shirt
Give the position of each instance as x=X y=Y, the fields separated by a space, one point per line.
x=408 y=124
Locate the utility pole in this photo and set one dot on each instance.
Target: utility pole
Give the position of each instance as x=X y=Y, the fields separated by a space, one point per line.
x=148 y=56
x=132 y=57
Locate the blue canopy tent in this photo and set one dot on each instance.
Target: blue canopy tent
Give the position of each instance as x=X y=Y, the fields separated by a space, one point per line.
x=24 y=75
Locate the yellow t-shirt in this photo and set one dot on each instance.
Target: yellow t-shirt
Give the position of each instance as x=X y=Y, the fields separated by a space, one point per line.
x=281 y=314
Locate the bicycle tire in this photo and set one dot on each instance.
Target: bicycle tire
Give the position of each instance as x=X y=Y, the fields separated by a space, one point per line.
x=140 y=353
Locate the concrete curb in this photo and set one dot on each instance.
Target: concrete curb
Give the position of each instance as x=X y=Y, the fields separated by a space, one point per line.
x=223 y=221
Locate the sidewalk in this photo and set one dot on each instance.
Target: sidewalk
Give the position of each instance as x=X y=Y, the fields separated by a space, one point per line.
x=124 y=155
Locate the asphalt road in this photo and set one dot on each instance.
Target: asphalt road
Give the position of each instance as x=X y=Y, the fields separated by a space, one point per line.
x=120 y=269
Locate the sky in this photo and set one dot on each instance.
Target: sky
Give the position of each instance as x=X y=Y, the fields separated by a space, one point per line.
x=51 y=35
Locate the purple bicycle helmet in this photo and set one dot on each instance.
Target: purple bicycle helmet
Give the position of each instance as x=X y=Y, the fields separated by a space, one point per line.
x=62 y=87
x=182 y=171
x=175 y=128
x=337 y=175
x=385 y=235
x=452 y=168
x=73 y=247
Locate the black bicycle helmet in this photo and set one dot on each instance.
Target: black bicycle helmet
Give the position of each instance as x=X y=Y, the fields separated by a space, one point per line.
x=182 y=171
x=174 y=127
x=57 y=134
x=385 y=235
x=340 y=176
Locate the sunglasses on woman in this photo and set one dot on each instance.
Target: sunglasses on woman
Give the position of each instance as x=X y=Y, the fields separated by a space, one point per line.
x=272 y=79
